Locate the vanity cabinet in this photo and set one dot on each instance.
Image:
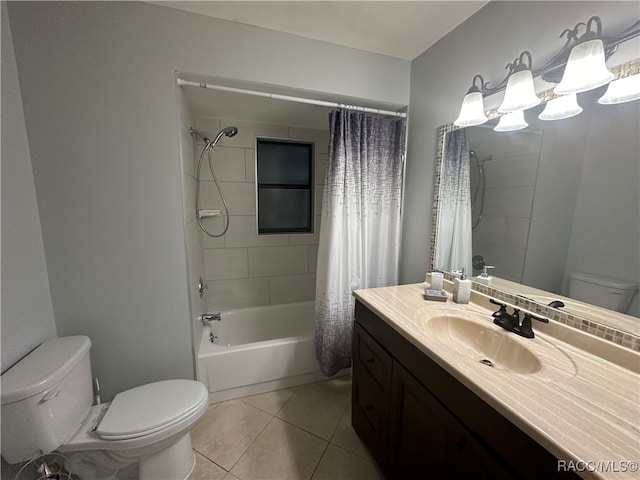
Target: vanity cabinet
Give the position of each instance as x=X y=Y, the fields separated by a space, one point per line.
x=418 y=421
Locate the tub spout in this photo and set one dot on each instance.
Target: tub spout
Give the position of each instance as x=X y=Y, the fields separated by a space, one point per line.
x=210 y=317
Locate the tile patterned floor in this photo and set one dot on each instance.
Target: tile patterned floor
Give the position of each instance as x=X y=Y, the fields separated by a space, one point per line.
x=302 y=433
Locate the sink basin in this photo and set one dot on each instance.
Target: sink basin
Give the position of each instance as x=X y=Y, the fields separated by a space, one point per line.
x=491 y=347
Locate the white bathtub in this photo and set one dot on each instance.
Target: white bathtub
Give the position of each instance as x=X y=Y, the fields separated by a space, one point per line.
x=258 y=350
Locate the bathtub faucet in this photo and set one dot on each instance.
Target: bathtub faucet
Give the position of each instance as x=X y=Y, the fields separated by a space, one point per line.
x=210 y=317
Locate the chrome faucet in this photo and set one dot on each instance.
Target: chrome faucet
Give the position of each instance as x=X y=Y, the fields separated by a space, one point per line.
x=511 y=322
x=210 y=317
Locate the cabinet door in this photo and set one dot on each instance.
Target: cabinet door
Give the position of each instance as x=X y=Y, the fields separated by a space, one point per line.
x=426 y=441
x=371 y=392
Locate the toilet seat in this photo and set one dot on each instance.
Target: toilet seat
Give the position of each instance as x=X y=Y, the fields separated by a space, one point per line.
x=150 y=408
x=173 y=422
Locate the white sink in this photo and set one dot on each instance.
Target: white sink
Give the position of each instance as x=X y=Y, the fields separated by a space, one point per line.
x=491 y=346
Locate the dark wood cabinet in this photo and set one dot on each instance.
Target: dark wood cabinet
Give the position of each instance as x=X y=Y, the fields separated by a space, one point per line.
x=420 y=422
x=371 y=392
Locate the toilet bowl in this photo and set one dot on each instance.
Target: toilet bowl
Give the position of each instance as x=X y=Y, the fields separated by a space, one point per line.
x=47 y=405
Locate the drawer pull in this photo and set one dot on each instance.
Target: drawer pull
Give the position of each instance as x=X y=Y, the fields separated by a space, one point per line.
x=369 y=407
x=370 y=360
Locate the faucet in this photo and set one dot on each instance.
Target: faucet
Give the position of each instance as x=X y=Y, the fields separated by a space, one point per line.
x=210 y=317
x=525 y=329
x=511 y=322
x=556 y=304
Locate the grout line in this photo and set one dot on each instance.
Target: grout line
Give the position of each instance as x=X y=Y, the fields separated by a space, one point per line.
x=319 y=460
x=253 y=441
x=208 y=459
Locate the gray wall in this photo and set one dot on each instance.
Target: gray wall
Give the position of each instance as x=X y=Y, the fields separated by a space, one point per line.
x=27 y=312
x=441 y=76
x=100 y=106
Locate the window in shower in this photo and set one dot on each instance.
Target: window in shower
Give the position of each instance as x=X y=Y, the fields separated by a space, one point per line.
x=284 y=173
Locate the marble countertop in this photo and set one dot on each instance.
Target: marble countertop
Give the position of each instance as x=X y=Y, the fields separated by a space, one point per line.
x=582 y=408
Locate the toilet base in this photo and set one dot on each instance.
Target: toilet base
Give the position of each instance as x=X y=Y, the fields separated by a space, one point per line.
x=174 y=462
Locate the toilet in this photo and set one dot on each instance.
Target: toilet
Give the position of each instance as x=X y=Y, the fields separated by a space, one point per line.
x=47 y=404
x=604 y=292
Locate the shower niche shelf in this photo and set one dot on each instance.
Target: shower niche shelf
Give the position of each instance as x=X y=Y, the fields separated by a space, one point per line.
x=209 y=213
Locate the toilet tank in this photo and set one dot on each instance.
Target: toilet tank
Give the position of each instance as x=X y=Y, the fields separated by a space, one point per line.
x=45 y=398
x=602 y=291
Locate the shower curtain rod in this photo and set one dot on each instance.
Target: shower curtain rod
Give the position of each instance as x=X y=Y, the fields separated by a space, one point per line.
x=289 y=98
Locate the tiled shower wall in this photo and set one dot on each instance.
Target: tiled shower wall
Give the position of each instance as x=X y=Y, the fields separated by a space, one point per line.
x=241 y=268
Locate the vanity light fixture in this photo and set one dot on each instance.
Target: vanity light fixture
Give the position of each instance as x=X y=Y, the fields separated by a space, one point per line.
x=558 y=108
x=586 y=68
x=472 y=110
x=511 y=121
x=578 y=66
x=622 y=90
x=520 y=93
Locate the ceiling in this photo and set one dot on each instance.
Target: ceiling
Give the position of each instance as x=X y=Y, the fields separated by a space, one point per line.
x=401 y=29
x=396 y=28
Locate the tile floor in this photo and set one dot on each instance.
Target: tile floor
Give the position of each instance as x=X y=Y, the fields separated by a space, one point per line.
x=302 y=432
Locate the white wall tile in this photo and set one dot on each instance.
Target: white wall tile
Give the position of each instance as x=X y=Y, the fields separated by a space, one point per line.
x=517 y=232
x=248 y=131
x=510 y=202
x=241 y=197
x=207 y=126
x=490 y=229
x=293 y=288
x=304 y=238
x=225 y=263
x=514 y=171
x=240 y=293
x=189 y=197
x=509 y=261
x=313 y=257
x=250 y=164
x=319 y=137
x=228 y=163
x=243 y=233
x=320 y=168
x=215 y=226
x=187 y=150
x=195 y=267
x=285 y=262
x=266 y=261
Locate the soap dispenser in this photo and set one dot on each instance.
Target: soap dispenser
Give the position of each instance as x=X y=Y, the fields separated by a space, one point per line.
x=462 y=288
x=484 y=277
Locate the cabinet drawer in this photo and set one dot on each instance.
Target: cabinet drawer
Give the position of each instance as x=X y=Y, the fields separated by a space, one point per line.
x=373 y=357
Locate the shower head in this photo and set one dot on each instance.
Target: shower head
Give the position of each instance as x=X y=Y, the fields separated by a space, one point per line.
x=230 y=131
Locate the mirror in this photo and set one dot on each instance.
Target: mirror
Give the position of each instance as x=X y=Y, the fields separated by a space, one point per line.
x=556 y=198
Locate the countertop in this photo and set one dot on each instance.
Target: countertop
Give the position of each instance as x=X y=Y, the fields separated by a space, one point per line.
x=583 y=409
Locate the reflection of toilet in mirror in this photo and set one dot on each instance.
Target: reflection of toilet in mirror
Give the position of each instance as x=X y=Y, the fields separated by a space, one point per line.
x=604 y=292
x=143 y=433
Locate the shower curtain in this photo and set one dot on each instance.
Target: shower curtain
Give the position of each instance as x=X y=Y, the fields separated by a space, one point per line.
x=453 y=245
x=360 y=226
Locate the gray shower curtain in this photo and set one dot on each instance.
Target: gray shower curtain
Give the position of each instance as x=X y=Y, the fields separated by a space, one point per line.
x=453 y=247
x=360 y=226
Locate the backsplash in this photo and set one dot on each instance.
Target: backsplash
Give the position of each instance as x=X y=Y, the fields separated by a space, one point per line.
x=613 y=335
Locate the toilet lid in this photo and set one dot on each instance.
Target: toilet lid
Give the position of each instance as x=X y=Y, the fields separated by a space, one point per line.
x=149 y=408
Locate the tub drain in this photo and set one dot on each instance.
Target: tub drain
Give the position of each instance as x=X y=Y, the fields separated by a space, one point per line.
x=486 y=362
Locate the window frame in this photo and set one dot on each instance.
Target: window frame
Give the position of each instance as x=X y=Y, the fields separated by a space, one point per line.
x=310 y=187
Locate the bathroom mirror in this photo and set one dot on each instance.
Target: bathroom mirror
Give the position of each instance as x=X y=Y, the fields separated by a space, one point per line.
x=557 y=197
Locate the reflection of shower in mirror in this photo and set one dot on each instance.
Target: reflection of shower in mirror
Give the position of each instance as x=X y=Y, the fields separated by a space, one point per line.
x=480 y=186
